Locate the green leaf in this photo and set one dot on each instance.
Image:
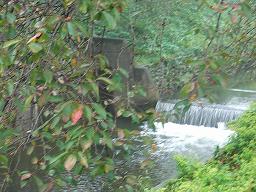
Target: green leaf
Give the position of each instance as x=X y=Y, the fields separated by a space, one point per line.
x=55 y=121
x=127 y=114
x=2 y=103
x=129 y=188
x=11 y=42
x=83 y=159
x=60 y=182
x=47 y=135
x=117 y=83
x=95 y=90
x=108 y=140
x=84 y=5
x=142 y=92
x=55 y=99
x=106 y=80
x=82 y=27
x=35 y=47
x=246 y=9
x=30 y=149
x=48 y=76
x=214 y=65
x=28 y=102
x=88 y=113
x=53 y=160
x=71 y=29
x=185 y=90
x=10 y=87
x=38 y=182
x=23 y=184
x=10 y=18
x=100 y=110
x=108 y=168
x=65 y=105
x=68 y=2
x=3 y=160
x=109 y=20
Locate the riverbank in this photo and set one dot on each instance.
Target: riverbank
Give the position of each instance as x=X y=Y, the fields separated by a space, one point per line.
x=232 y=169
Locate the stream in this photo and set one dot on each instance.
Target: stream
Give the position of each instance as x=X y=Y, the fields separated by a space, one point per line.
x=196 y=136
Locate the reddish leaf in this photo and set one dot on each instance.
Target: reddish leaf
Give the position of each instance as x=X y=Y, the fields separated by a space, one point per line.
x=49 y=187
x=65 y=119
x=76 y=115
x=235 y=7
x=68 y=18
x=35 y=37
x=216 y=8
x=154 y=147
x=119 y=9
x=87 y=145
x=25 y=176
x=234 y=19
x=61 y=80
x=120 y=133
x=74 y=62
x=70 y=162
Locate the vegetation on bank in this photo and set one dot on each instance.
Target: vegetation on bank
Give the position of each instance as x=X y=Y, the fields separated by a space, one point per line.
x=191 y=43
x=232 y=169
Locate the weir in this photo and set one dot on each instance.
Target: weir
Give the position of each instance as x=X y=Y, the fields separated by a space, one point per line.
x=208 y=115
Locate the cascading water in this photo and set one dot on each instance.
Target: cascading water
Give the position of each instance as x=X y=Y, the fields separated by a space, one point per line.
x=208 y=115
x=194 y=136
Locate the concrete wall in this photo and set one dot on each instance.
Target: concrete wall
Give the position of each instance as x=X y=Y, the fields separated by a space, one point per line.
x=142 y=77
x=119 y=54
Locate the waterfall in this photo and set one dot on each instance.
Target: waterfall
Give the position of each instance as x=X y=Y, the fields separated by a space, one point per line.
x=208 y=115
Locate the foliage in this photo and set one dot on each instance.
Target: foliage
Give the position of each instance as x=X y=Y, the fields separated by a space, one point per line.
x=196 y=44
x=49 y=77
x=48 y=80
x=232 y=168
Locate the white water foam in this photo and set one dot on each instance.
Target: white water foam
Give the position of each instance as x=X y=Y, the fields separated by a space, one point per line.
x=191 y=133
x=189 y=139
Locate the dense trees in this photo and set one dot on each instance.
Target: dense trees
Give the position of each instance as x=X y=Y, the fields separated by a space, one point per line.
x=207 y=41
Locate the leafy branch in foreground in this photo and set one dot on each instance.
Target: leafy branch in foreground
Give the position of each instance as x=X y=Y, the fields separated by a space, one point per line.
x=50 y=105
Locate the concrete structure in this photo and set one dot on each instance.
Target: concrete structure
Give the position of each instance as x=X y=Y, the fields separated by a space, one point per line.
x=119 y=54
